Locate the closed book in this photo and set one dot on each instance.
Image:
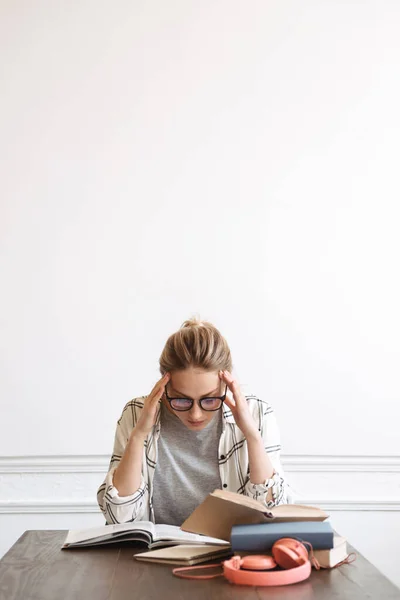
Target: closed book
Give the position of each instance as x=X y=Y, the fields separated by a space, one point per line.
x=185 y=555
x=330 y=558
x=262 y=536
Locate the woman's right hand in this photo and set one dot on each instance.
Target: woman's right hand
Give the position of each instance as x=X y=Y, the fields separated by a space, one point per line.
x=148 y=415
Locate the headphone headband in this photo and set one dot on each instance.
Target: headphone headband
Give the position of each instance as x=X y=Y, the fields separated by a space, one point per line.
x=235 y=574
x=290 y=554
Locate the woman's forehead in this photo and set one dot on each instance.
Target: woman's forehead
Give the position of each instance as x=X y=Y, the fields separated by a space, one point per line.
x=195 y=383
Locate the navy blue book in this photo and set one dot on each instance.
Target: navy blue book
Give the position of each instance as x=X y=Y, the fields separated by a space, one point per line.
x=260 y=537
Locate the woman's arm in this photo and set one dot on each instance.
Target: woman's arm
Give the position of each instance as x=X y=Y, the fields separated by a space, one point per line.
x=128 y=474
x=273 y=489
x=128 y=503
x=266 y=481
x=260 y=465
x=124 y=495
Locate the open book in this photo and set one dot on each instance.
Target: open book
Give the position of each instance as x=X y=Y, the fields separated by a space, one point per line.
x=154 y=536
x=221 y=510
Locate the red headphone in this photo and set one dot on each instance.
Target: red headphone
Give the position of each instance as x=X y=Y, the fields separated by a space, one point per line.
x=289 y=554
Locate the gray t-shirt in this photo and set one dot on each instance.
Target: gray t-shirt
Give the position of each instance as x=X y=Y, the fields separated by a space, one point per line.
x=187 y=467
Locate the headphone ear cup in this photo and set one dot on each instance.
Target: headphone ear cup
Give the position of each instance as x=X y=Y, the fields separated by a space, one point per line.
x=289 y=553
x=258 y=562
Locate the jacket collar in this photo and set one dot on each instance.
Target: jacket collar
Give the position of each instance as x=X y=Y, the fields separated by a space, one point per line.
x=227 y=413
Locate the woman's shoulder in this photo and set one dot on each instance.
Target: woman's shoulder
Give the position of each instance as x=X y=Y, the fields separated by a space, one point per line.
x=256 y=404
x=263 y=414
x=131 y=409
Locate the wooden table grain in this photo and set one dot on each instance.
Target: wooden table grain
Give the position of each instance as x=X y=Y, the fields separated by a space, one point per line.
x=36 y=568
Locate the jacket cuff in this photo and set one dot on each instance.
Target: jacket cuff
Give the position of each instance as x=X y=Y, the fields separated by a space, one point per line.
x=259 y=491
x=112 y=494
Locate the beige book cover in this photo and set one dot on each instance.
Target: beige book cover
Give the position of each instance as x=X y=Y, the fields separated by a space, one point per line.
x=329 y=558
x=217 y=514
x=185 y=555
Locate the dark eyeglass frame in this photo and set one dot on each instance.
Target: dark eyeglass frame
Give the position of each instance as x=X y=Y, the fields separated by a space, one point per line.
x=221 y=398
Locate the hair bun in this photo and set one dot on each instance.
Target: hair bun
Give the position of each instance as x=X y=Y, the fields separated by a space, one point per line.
x=193 y=322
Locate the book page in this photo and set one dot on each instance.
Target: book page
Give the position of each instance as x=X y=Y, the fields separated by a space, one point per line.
x=175 y=533
x=299 y=512
x=107 y=531
x=242 y=501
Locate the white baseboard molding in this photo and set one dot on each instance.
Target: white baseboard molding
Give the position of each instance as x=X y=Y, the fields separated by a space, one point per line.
x=344 y=464
x=67 y=484
x=88 y=506
x=293 y=463
x=49 y=507
x=54 y=464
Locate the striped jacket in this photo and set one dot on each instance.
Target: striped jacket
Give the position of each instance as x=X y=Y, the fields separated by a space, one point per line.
x=232 y=460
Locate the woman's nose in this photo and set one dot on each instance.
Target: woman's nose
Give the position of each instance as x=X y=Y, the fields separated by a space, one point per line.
x=196 y=413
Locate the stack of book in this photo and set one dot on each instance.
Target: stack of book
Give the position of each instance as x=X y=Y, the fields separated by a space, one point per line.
x=329 y=548
x=251 y=528
x=327 y=558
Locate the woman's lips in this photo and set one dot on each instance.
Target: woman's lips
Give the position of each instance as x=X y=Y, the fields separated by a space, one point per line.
x=196 y=422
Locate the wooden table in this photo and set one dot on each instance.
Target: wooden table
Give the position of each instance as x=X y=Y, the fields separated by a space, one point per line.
x=35 y=568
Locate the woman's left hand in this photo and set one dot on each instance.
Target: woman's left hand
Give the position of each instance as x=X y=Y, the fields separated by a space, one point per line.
x=239 y=406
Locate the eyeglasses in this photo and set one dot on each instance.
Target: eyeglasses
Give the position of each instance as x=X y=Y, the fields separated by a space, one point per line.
x=212 y=403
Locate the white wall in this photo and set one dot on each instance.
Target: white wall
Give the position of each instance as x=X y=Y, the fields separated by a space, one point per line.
x=237 y=159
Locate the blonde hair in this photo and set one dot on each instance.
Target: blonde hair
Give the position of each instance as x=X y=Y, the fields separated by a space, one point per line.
x=196 y=344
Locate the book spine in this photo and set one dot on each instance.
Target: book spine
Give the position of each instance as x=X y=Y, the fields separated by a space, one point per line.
x=242 y=540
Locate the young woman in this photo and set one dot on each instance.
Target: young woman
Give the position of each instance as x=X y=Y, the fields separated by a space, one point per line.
x=195 y=432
